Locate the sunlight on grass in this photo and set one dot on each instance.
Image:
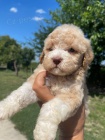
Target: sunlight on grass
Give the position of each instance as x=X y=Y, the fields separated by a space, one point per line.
x=95 y=123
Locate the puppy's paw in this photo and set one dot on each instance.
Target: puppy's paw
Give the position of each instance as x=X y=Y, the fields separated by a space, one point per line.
x=51 y=114
x=5 y=111
x=2 y=113
x=45 y=131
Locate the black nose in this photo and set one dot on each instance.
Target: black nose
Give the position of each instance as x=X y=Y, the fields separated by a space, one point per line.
x=57 y=60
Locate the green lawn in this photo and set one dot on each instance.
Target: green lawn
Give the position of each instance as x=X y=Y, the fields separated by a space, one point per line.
x=25 y=120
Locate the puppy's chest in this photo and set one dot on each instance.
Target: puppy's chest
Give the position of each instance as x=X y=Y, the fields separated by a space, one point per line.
x=58 y=85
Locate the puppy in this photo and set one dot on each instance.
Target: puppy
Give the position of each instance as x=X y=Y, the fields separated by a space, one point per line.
x=66 y=56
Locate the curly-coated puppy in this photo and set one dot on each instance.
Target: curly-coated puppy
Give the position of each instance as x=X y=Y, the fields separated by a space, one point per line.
x=66 y=56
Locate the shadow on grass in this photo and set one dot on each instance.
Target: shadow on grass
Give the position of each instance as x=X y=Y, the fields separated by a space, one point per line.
x=97 y=92
x=2 y=69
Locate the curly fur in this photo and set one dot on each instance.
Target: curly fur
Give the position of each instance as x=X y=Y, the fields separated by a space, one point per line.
x=66 y=56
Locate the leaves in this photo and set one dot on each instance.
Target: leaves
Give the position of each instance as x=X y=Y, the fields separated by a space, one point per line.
x=11 y=51
x=27 y=56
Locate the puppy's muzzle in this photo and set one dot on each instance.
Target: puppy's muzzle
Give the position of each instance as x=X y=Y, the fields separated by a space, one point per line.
x=57 y=60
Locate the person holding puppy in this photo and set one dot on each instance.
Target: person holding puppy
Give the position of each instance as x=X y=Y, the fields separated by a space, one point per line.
x=72 y=128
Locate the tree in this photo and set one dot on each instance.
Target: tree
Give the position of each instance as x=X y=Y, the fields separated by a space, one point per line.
x=3 y=47
x=10 y=50
x=88 y=15
x=28 y=55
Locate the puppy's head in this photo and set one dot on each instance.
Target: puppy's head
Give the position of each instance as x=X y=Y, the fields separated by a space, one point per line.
x=66 y=50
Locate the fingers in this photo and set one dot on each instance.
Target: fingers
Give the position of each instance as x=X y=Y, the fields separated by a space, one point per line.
x=42 y=91
x=39 y=82
x=40 y=79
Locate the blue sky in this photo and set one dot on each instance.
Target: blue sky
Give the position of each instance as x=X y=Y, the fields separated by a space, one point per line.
x=21 y=18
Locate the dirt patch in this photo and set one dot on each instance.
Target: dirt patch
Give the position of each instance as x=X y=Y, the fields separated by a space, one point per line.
x=8 y=131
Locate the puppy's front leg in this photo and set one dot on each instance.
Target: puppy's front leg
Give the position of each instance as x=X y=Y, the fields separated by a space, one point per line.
x=52 y=113
x=17 y=100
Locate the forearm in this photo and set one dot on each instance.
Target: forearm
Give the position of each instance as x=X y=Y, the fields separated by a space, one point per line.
x=73 y=127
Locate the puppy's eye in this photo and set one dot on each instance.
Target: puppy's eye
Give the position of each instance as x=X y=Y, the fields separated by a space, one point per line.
x=71 y=50
x=49 y=49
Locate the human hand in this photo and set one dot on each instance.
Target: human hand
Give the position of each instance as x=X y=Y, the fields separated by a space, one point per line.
x=42 y=91
x=72 y=128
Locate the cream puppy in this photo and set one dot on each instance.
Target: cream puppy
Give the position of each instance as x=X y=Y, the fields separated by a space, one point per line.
x=66 y=56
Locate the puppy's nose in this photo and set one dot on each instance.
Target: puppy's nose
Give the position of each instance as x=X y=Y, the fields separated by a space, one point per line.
x=57 y=60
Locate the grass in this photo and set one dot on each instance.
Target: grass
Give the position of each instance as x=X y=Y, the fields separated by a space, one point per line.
x=26 y=119
x=95 y=123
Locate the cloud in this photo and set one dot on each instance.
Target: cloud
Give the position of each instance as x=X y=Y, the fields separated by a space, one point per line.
x=37 y=18
x=40 y=11
x=13 y=9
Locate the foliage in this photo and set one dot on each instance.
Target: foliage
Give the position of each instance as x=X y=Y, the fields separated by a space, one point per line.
x=9 y=49
x=12 y=54
x=27 y=56
x=33 y=65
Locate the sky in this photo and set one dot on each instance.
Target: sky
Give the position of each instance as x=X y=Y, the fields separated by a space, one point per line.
x=21 y=18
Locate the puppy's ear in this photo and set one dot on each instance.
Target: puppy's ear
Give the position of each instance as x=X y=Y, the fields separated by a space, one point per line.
x=41 y=57
x=88 y=56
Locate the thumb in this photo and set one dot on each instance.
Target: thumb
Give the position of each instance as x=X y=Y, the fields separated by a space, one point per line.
x=40 y=78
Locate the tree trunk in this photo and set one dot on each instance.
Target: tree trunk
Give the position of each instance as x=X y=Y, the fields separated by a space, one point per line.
x=16 y=68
